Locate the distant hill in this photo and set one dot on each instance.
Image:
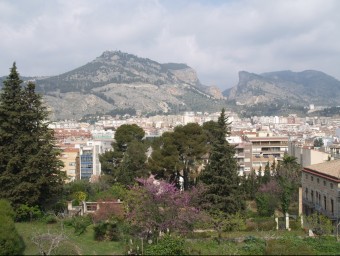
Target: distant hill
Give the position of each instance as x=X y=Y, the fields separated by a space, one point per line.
x=293 y=88
x=118 y=82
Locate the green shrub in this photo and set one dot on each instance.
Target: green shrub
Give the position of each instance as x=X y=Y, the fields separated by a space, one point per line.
x=79 y=223
x=320 y=224
x=107 y=230
x=324 y=245
x=266 y=204
x=50 y=218
x=253 y=246
x=288 y=246
x=167 y=245
x=27 y=213
x=6 y=208
x=260 y=224
x=295 y=224
x=11 y=243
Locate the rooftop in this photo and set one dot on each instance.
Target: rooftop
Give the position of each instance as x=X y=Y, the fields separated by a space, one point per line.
x=330 y=168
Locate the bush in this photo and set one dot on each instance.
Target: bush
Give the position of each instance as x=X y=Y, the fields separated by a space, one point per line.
x=167 y=245
x=11 y=243
x=288 y=246
x=107 y=230
x=27 y=213
x=266 y=204
x=320 y=224
x=50 y=218
x=6 y=209
x=253 y=246
x=79 y=223
x=261 y=224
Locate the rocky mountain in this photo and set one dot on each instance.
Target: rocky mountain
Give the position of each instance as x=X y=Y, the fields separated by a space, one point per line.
x=293 y=88
x=117 y=82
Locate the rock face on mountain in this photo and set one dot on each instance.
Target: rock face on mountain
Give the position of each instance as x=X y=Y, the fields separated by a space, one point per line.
x=295 y=88
x=118 y=81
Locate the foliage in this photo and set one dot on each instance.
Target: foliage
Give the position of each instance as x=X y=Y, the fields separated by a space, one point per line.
x=253 y=246
x=11 y=243
x=324 y=245
x=108 y=210
x=106 y=230
x=30 y=170
x=260 y=224
x=179 y=150
x=267 y=198
x=164 y=159
x=223 y=222
x=6 y=209
x=318 y=142
x=48 y=242
x=320 y=224
x=288 y=176
x=115 y=191
x=50 y=218
x=133 y=164
x=79 y=223
x=221 y=173
x=266 y=204
x=167 y=245
x=156 y=206
x=127 y=160
x=74 y=245
x=27 y=213
x=250 y=185
x=288 y=246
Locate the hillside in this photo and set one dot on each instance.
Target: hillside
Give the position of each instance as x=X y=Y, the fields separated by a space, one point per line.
x=293 y=88
x=118 y=81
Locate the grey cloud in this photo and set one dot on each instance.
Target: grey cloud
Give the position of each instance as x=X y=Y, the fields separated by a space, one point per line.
x=217 y=38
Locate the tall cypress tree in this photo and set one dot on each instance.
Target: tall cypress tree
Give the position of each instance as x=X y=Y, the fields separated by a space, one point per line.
x=220 y=176
x=30 y=171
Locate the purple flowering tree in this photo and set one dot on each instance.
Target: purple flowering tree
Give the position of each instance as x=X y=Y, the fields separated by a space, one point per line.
x=156 y=206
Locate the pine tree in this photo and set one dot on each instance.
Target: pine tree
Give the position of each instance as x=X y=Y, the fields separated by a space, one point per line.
x=29 y=165
x=220 y=176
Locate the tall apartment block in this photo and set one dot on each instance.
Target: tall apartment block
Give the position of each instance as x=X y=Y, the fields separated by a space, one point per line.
x=243 y=154
x=266 y=149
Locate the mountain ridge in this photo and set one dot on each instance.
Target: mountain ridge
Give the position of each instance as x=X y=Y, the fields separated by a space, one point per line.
x=296 y=88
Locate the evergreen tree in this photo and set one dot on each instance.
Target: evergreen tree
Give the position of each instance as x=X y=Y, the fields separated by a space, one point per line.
x=221 y=173
x=266 y=177
x=126 y=161
x=29 y=165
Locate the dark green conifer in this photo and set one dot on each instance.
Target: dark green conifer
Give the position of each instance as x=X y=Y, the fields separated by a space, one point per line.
x=29 y=165
x=221 y=174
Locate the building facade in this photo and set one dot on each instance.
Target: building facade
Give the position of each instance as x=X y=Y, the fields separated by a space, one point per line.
x=267 y=149
x=321 y=189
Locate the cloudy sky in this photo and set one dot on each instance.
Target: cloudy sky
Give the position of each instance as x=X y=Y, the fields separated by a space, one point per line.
x=217 y=38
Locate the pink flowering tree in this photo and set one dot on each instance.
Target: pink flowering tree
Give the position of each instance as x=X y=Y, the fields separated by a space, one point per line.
x=156 y=206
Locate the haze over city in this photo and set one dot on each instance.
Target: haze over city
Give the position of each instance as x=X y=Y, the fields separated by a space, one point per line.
x=216 y=38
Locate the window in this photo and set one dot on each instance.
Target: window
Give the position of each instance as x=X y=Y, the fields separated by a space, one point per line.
x=312 y=195
x=332 y=206
x=317 y=180
x=306 y=193
x=325 y=202
x=324 y=183
x=331 y=184
x=306 y=176
x=72 y=163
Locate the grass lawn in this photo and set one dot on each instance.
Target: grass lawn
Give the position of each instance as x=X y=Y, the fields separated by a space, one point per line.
x=232 y=243
x=74 y=245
